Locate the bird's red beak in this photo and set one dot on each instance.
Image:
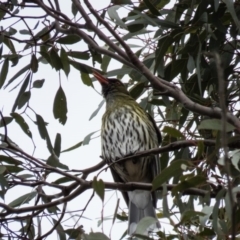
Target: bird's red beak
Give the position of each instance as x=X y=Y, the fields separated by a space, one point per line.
x=100 y=78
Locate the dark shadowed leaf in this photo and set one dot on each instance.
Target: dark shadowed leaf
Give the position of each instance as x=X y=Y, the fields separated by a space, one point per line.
x=43 y=131
x=95 y=236
x=74 y=233
x=6 y=121
x=21 y=122
x=80 y=55
x=26 y=198
x=74 y=9
x=81 y=67
x=38 y=83
x=23 y=99
x=151 y=7
x=4 y=72
x=53 y=161
x=65 y=61
x=69 y=39
x=57 y=144
x=9 y=44
x=121 y=2
x=55 y=59
x=22 y=90
x=60 y=106
x=86 y=79
x=137 y=89
x=175 y=168
x=19 y=73
x=34 y=63
x=98 y=186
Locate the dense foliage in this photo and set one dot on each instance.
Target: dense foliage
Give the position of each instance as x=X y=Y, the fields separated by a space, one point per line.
x=181 y=59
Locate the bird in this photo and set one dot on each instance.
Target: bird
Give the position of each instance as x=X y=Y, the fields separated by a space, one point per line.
x=128 y=129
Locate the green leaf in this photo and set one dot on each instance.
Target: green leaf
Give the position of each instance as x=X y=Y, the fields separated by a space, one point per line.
x=73 y=147
x=86 y=79
x=87 y=139
x=2 y=169
x=9 y=160
x=22 y=90
x=55 y=59
x=151 y=7
x=60 y=230
x=105 y=62
x=23 y=99
x=215 y=124
x=80 y=55
x=121 y=2
x=57 y=144
x=25 y=32
x=43 y=131
x=189 y=183
x=74 y=9
x=74 y=233
x=69 y=39
x=60 y=106
x=176 y=168
x=137 y=89
x=19 y=73
x=95 y=236
x=34 y=63
x=9 y=44
x=53 y=161
x=173 y=132
x=81 y=67
x=4 y=72
x=98 y=186
x=65 y=61
x=144 y=224
x=38 y=83
x=21 y=122
x=97 y=110
x=112 y=12
x=26 y=198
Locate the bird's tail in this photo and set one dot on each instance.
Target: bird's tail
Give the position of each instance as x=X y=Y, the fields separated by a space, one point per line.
x=140 y=206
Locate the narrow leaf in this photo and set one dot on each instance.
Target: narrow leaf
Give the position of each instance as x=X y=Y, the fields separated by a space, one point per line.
x=22 y=90
x=60 y=106
x=38 y=83
x=86 y=79
x=73 y=147
x=23 y=99
x=97 y=110
x=55 y=59
x=26 y=198
x=69 y=39
x=175 y=168
x=57 y=144
x=65 y=61
x=98 y=186
x=4 y=72
x=21 y=122
x=34 y=63
x=215 y=124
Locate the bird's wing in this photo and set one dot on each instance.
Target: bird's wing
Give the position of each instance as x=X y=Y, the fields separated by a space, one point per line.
x=116 y=178
x=155 y=164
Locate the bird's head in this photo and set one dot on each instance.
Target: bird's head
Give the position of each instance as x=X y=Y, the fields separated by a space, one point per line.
x=110 y=86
